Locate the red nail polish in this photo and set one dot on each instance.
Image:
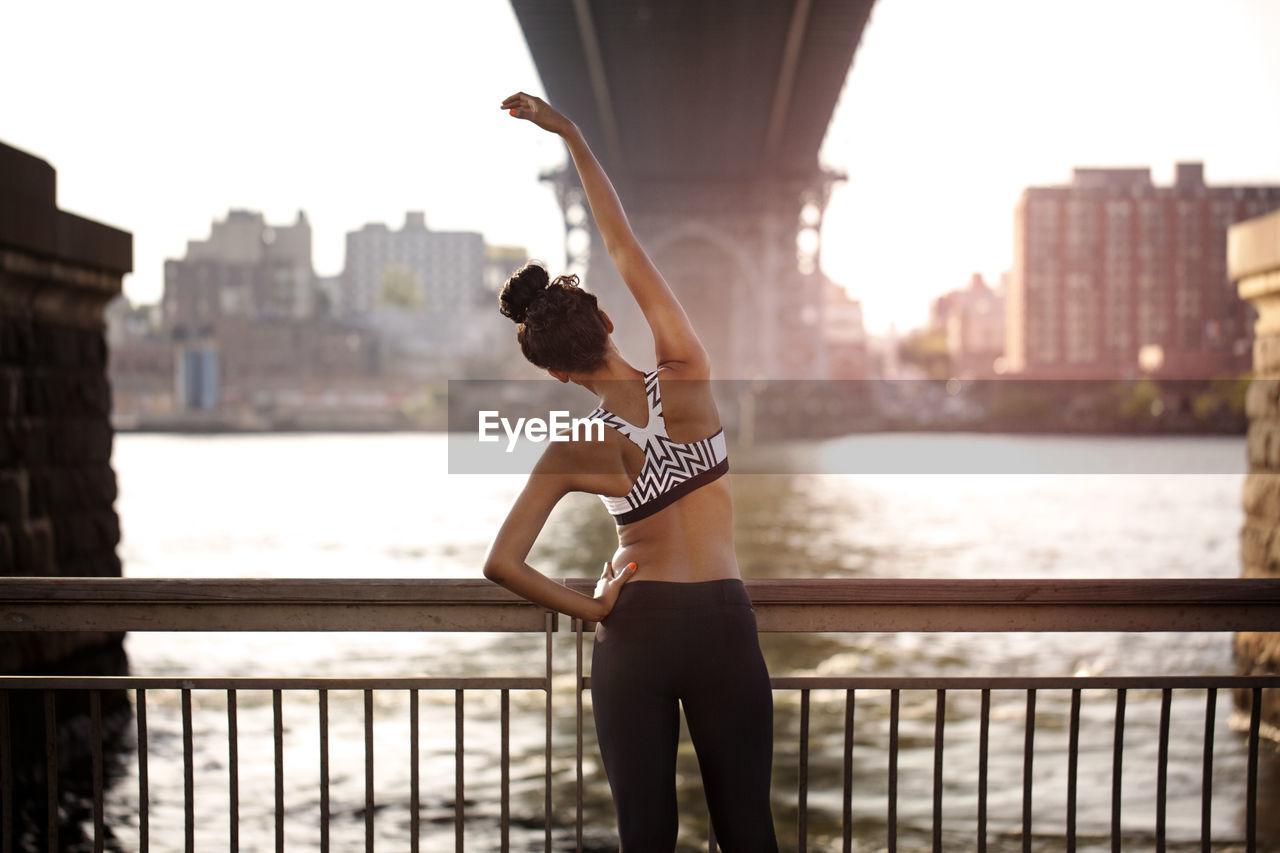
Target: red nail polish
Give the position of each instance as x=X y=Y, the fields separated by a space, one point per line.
x=511 y=112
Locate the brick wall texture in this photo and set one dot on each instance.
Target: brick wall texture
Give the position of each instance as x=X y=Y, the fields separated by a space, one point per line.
x=57 y=487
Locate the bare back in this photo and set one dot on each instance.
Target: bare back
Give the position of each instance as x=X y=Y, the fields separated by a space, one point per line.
x=691 y=539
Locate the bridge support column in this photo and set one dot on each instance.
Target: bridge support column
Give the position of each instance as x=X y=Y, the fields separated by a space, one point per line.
x=57 y=488
x=1253 y=251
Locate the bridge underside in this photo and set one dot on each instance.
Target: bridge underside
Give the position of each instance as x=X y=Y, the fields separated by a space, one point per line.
x=708 y=117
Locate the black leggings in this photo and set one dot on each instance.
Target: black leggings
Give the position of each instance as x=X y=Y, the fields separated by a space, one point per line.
x=666 y=644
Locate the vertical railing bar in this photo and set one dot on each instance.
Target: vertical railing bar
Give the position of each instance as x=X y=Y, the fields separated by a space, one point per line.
x=1028 y=757
x=1251 y=793
x=415 y=797
x=6 y=777
x=893 y=771
x=51 y=768
x=144 y=793
x=233 y=771
x=277 y=725
x=458 y=790
x=548 y=622
x=1117 y=766
x=323 y=702
x=802 y=782
x=1073 y=760
x=1162 y=767
x=578 y=690
x=188 y=775
x=505 y=818
x=95 y=725
x=847 y=805
x=940 y=718
x=1206 y=785
x=368 y=771
x=984 y=729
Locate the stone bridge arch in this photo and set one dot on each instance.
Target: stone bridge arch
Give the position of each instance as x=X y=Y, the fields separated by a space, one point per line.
x=716 y=280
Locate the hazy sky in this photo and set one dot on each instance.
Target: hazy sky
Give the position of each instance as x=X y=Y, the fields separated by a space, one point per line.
x=160 y=116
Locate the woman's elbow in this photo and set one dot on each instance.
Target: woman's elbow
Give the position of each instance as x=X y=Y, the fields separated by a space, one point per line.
x=496 y=570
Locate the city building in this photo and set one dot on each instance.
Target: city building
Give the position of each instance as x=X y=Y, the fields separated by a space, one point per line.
x=245 y=269
x=245 y=337
x=846 y=336
x=499 y=263
x=1116 y=277
x=426 y=297
x=414 y=267
x=328 y=294
x=971 y=320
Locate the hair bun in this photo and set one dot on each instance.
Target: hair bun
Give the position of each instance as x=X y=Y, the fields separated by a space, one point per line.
x=524 y=287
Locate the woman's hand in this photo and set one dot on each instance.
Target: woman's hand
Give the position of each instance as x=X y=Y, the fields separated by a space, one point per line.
x=537 y=111
x=610 y=584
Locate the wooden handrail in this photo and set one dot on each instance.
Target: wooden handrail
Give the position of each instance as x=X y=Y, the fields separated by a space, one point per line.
x=802 y=591
x=801 y=605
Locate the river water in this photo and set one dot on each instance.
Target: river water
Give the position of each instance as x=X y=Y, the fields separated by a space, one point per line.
x=383 y=506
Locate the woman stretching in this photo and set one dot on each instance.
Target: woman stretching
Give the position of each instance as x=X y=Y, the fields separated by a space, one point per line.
x=676 y=625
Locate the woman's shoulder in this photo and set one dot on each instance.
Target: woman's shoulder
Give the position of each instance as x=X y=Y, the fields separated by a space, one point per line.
x=589 y=459
x=688 y=403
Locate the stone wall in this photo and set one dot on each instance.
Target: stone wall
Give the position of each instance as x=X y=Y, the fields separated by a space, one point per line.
x=57 y=488
x=1253 y=259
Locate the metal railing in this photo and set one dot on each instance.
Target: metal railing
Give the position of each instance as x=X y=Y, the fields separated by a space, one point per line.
x=866 y=605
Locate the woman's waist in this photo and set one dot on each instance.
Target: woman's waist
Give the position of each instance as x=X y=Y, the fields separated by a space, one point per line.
x=664 y=563
x=647 y=596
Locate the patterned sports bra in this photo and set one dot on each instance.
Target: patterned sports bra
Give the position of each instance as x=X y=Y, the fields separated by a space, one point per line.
x=671 y=469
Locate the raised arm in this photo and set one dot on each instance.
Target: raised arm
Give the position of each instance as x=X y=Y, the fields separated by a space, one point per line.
x=675 y=342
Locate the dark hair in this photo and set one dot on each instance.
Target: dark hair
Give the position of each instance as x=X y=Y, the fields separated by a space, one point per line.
x=561 y=326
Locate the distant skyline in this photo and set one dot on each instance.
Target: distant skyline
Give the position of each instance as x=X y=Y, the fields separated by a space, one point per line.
x=160 y=117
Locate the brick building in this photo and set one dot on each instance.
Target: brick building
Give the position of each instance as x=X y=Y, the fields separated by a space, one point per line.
x=1116 y=277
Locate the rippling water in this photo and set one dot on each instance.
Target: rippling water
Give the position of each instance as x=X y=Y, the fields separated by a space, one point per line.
x=385 y=506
